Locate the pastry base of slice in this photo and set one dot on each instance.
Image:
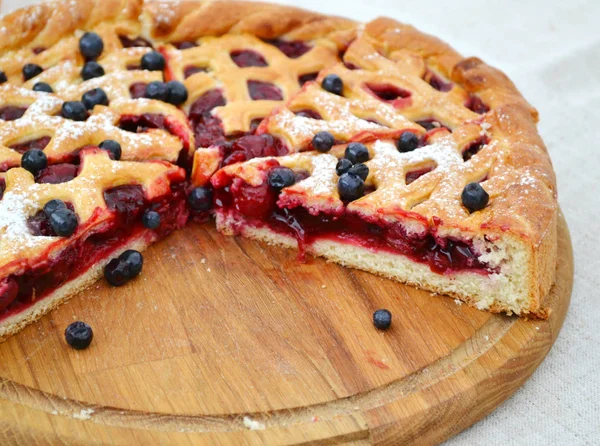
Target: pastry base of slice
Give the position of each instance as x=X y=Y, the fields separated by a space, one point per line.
x=18 y=321
x=494 y=292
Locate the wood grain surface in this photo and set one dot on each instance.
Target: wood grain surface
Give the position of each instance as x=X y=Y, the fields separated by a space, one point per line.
x=227 y=341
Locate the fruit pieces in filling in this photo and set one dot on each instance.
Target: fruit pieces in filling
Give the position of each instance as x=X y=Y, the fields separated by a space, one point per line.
x=107 y=232
x=259 y=206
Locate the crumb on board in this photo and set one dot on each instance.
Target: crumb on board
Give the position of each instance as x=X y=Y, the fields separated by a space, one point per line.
x=253 y=425
x=458 y=302
x=203 y=260
x=83 y=414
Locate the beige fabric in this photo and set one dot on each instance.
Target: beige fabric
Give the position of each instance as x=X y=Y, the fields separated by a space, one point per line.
x=551 y=50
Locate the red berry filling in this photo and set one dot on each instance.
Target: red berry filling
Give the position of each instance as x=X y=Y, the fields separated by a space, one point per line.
x=190 y=70
x=128 y=42
x=38 y=50
x=57 y=173
x=11 y=113
x=474 y=103
x=248 y=58
x=207 y=128
x=415 y=174
x=106 y=240
x=437 y=82
x=141 y=123
x=291 y=48
x=186 y=45
x=307 y=78
x=137 y=90
x=307 y=113
x=473 y=148
x=258 y=206
x=264 y=91
x=390 y=93
x=39 y=143
x=251 y=146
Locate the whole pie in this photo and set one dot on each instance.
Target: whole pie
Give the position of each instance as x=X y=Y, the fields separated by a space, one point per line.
x=372 y=145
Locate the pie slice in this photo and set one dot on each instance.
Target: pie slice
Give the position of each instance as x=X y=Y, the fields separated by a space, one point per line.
x=354 y=142
x=417 y=128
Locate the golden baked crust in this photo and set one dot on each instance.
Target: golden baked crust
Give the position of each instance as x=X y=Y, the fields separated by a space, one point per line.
x=481 y=106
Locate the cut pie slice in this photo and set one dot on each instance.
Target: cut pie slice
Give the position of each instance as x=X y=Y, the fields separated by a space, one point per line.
x=396 y=206
x=373 y=145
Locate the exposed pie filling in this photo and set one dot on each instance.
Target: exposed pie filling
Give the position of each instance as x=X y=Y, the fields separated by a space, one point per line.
x=127 y=204
x=141 y=123
x=11 y=113
x=258 y=206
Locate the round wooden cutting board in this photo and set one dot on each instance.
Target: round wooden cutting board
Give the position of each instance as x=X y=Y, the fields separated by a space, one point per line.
x=227 y=341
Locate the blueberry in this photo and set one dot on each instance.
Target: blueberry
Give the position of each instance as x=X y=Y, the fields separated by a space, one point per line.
x=74 y=110
x=360 y=170
x=122 y=269
x=153 y=61
x=112 y=147
x=474 y=197
x=350 y=187
x=52 y=206
x=382 y=319
x=31 y=70
x=157 y=90
x=63 y=222
x=177 y=94
x=151 y=219
x=34 y=160
x=117 y=272
x=134 y=260
x=43 y=87
x=200 y=199
x=333 y=84
x=3 y=77
x=96 y=96
x=91 y=46
x=323 y=142
x=79 y=335
x=91 y=70
x=280 y=177
x=356 y=153
x=407 y=142
x=343 y=165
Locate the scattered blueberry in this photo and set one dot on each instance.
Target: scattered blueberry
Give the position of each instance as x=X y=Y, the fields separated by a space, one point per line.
x=122 y=269
x=79 y=335
x=474 y=197
x=153 y=61
x=63 y=222
x=91 y=70
x=91 y=46
x=3 y=77
x=350 y=187
x=407 y=142
x=74 y=110
x=280 y=177
x=43 y=87
x=31 y=70
x=151 y=219
x=356 y=153
x=52 y=206
x=177 y=94
x=360 y=170
x=157 y=90
x=343 y=165
x=134 y=260
x=94 y=97
x=200 y=199
x=333 y=84
x=382 y=319
x=112 y=147
x=323 y=142
x=34 y=160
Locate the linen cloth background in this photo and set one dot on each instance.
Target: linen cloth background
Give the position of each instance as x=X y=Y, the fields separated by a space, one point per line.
x=551 y=50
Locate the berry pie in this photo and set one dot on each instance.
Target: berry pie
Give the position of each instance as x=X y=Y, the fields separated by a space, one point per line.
x=372 y=145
